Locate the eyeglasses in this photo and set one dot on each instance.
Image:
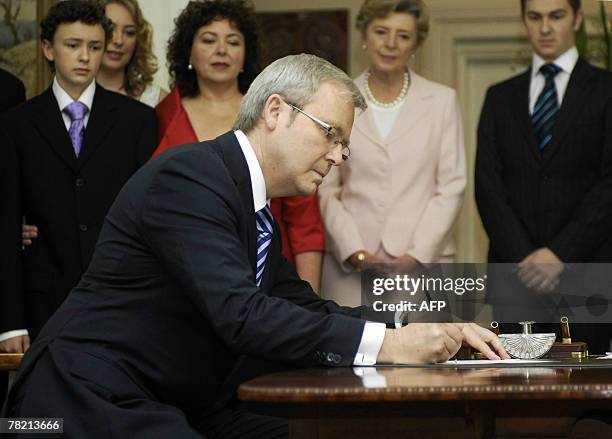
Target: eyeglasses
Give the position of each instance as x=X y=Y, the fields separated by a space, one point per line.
x=329 y=130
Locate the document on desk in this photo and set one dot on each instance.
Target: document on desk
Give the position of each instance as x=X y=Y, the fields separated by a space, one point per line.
x=602 y=362
x=490 y=362
x=513 y=362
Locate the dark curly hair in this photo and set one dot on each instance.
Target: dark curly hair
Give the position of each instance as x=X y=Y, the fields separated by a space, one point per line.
x=70 y=12
x=200 y=13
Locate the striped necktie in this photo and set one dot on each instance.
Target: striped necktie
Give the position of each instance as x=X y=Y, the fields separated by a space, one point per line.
x=264 y=221
x=546 y=107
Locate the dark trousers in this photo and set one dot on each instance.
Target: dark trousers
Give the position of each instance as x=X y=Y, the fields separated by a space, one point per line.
x=96 y=400
x=3 y=387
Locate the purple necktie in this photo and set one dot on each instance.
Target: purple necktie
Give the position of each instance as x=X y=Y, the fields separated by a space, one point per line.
x=76 y=111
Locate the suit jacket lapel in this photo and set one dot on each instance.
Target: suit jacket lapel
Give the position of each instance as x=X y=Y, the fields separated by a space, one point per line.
x=519 y=107
x=416 y=105
x=50 y=124
x=364 y=121
x=101 y=119
x=575 y=99
x=239 y=170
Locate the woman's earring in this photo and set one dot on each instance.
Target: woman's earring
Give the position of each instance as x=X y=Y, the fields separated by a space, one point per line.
x=364 y=46
x=242 y=70
x=189 y=66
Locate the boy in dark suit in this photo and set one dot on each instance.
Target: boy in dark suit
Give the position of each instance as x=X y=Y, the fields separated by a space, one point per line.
x=544 y=162
x=66 y=155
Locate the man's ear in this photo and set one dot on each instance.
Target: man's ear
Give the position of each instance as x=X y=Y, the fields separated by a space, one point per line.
x=578 y=20
x=272 y=111
x=47 y=48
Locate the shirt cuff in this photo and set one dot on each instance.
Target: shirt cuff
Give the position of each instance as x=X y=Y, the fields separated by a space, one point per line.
x=370 y=377
x=11 y=334
x=398 y=319
x=371 y=342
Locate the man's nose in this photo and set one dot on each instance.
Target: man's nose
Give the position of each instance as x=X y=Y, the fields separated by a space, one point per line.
x=545 y=26
x=84 y=54
x=334 y=157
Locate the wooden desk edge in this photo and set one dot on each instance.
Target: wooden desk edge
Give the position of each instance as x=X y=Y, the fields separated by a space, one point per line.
x=10 y=361
x=248 y=392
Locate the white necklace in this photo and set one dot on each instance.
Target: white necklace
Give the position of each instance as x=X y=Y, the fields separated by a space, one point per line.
x=393 y=103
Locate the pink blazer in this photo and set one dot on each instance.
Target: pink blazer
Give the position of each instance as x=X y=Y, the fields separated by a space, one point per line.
x=405 y=193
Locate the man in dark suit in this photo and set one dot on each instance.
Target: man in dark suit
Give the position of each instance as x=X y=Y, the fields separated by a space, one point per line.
x=13 y=91
x=188 y=286
x=66 y=154
x=544 y=161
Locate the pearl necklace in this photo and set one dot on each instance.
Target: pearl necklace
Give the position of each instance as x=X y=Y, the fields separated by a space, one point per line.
x=393 y=103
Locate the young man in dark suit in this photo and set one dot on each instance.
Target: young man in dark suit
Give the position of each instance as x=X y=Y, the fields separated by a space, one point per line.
x=66 y=154
x=544 y=161
x=13 y=91
x=188 y=284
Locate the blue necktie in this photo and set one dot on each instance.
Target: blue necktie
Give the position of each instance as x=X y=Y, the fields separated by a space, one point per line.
x=546 y=107
x=264 y=221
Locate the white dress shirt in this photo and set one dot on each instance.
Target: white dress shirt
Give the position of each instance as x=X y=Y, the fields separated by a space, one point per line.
x=373 y=332
x=566 y=62
x=63 y=100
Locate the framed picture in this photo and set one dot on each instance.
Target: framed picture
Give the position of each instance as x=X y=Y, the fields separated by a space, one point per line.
x=20 y=51
x=323 y=33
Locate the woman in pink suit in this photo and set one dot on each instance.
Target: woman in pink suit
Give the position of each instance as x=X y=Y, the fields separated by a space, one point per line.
x=213 y=56
x=399 y=196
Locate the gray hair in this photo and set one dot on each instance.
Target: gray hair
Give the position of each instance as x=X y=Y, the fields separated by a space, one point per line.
x=373 y=9
x=297 y=78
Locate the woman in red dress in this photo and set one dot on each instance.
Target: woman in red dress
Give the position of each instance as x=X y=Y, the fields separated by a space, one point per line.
x=213 y=56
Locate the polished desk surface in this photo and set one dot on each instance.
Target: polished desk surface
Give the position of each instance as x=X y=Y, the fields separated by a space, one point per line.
x=396 y=384
x=10 y=361
x=436 y=402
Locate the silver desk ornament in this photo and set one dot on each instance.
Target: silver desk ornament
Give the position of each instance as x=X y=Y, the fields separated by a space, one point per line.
x=527 y=346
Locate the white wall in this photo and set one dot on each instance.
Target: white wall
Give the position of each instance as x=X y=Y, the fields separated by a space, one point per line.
x=161 y=15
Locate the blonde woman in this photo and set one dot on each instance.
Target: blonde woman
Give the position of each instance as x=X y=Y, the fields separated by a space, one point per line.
x=129 y=64
x=398 y=197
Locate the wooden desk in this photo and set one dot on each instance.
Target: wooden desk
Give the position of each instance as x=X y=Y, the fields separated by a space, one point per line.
x=399 y=402
x=10 y=363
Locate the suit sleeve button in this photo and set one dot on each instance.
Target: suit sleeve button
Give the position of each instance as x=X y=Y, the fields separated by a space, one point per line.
x=83 y=227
